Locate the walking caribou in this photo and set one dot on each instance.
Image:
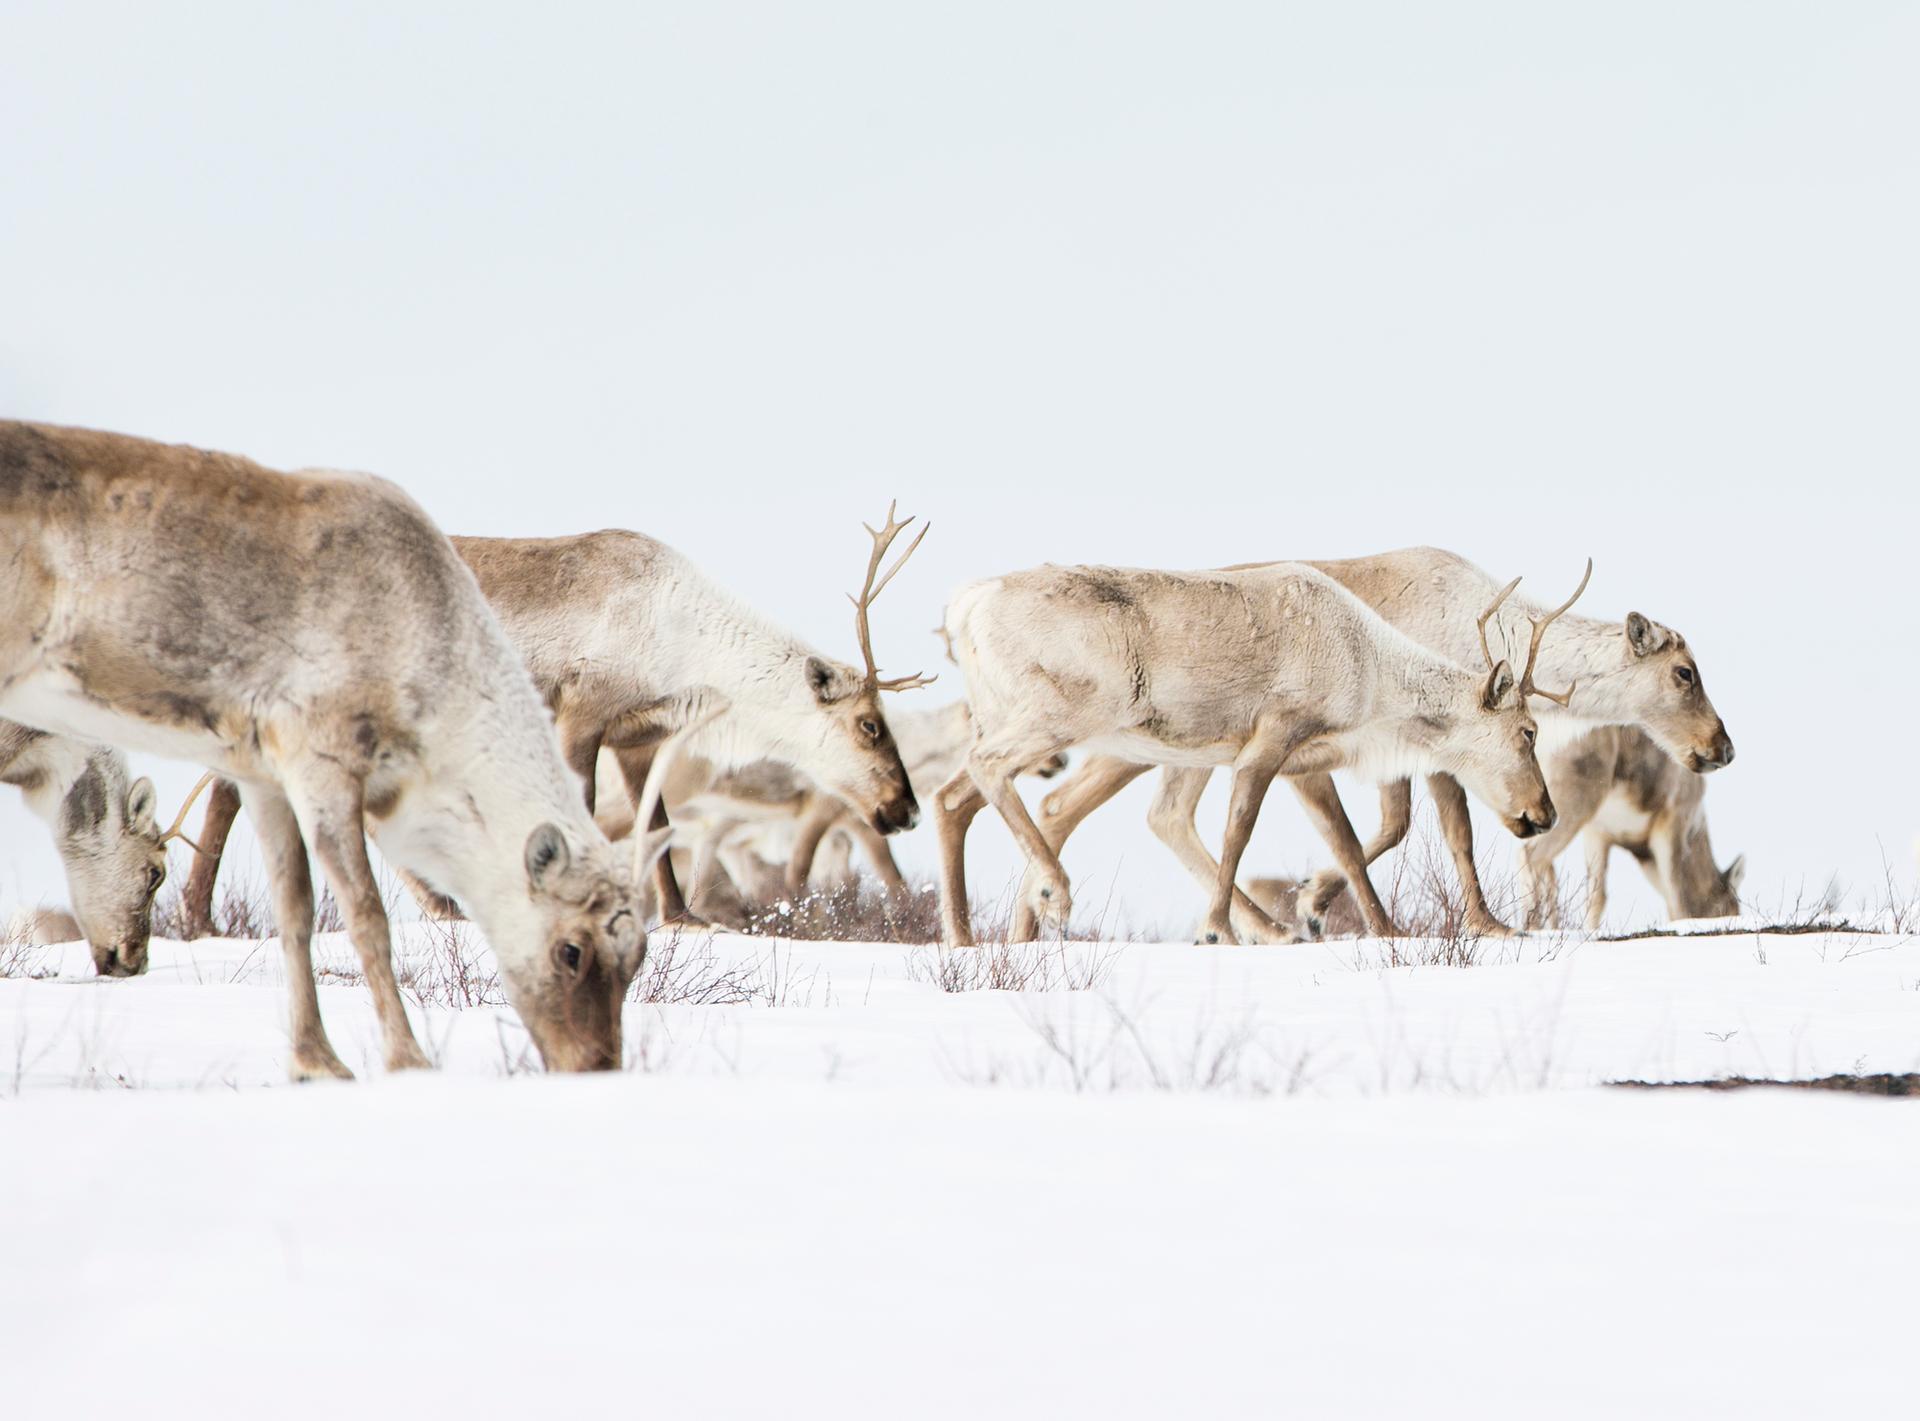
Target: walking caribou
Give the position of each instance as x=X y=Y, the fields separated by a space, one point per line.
x=629 y=643
x=1615 y=788
x=313 y=637
x=110 y=844
x=1275 y=670
x=1631 y=672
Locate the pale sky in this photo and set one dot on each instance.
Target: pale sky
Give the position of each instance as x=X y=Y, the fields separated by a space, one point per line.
x=1159 y=285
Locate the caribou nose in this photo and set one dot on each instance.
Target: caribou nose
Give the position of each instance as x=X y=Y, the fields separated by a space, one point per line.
x=897 y=815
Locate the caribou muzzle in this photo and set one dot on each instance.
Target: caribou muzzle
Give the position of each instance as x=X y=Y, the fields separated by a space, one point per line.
x=1719 y=759
x=123 y=959
x=897 y=815
x=1535 y=821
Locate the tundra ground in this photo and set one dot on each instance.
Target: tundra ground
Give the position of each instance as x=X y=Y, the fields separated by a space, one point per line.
x=1080 y=1178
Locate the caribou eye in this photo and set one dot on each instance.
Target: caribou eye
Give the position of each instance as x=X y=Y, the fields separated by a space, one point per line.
x=1529 y=734
x=155 y=877
x=870 y=729
x=570 y=956
x=1683 y=674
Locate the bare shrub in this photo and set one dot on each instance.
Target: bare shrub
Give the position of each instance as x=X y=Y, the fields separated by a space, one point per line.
x=19 y=956
x=243 y=909
x=452 y=970
x=863 y=912
x=852 y=912
x=684 y=969
x=1113 y=1051
x=1012 y=967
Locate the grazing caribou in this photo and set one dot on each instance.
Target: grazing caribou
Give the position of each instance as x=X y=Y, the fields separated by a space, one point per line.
x=1616 y=788
x=105 y=832
x=1276 y=670
x=314 y=638
x=783 y=816
x=1631 y=672
x=630 y=643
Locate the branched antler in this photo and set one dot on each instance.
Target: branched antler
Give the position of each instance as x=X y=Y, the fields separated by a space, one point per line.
x=1487 y=616
x=882 y=541
x=173 y=829
x=1540 y=625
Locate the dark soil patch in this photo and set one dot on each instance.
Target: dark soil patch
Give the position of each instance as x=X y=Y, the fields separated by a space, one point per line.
x=1883 y=1084
x=1838 y=925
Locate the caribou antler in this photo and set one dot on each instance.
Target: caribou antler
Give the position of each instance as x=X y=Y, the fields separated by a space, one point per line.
x=1487 y=616
x=883 y=540
x=1540 y=625
x=173 y=829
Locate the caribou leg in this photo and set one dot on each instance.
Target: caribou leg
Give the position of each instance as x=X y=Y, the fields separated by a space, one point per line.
x=1044 y=885
x=1063 y=811
x=196 y=898
x=817 y=816
x=285 y=853
x=1598 y=851
x=635 y=761
x=1171 y=819
x=954 y=807
x=1578 y=792
x=1396 y=816
x=335 y=816
x=1251 y=776
x=880 y=855
x=1451 y=802
x=1322 y=799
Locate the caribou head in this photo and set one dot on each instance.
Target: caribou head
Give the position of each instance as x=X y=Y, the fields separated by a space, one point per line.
x=116 y=859
x=854 y=754
x=579 y=922
x=1495 y=758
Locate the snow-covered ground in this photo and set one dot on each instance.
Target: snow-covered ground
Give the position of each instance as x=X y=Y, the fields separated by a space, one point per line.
x=1162 y=1180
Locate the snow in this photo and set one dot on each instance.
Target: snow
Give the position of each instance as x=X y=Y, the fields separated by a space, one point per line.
x=1221 y=1182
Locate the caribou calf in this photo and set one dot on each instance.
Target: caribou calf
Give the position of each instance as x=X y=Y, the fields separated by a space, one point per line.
x=314 y=638
x=1275 y=670
x=1616 y=788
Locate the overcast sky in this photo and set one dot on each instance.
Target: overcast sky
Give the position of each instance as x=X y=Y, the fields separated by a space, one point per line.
x=1155 y=285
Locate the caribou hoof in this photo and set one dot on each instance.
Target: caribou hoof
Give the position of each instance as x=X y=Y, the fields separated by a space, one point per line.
x=408 y=1058
x=318 y=1063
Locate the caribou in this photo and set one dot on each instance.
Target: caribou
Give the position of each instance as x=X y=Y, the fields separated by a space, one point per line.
x=1276 y=670
x=770 y=814
x=314 y=638
x=629 y=643
x=1630 y=672
x=104 y=829
x=1616 y=788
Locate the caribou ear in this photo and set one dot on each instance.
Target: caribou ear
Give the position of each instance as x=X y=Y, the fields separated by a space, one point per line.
x=1736 y=871
x=140 y=802
x=825 y=680
x=547 y=854
x=1645 y=637
x=1499 y=682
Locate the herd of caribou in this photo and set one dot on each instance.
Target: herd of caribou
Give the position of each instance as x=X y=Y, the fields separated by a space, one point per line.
x=496 y=712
